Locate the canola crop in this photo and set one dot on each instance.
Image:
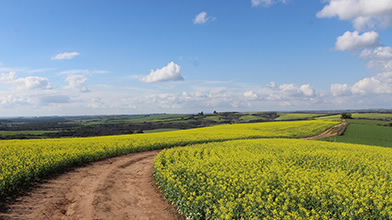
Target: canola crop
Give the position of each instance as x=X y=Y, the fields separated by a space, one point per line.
x=278 y=179
x=24 y=161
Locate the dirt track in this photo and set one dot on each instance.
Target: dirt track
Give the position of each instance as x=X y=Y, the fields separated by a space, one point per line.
x=117 y=188
x=333 y=131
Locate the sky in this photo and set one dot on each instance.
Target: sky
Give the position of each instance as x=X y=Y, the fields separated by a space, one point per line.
x=101 y=57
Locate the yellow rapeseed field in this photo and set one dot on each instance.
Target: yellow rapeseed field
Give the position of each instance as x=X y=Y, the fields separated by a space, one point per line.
x=278 y=179
x=23 y=161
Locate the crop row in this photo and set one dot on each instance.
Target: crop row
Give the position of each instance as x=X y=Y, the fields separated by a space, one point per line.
x=278 y=179
x=24 y=161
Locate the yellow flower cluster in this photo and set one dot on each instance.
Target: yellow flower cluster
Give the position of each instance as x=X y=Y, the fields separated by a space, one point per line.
x=23 y=161
x=278 y=179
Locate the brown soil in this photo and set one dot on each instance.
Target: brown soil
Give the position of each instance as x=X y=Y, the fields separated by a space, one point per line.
x=333 y=131
x=117 y=188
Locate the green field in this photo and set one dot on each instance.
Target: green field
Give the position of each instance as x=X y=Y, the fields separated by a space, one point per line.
x=34 y=132
x=137 y=119
x=368 y=132
x=373 y=115
x=329 y=117
x=368 y=122
x=215 y=118
x=160 y=130
x=297 y=116
x=248 y=118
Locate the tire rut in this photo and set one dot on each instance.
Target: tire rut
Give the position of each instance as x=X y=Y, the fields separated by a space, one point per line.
x=336 y=130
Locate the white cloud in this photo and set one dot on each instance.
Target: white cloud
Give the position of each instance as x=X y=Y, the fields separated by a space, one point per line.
x=12 y=99
x=307 y=90
x=379 y=58
x=272 y=85
x=8 y=76
x=266 y=3
x=33 y=82
x=288 y=91
x=65 y=56
x=171 y=72
x=250 y=95
x=355 y=41
x=191 y=97
x=377 y=53
x=77 y=82
x=340 y=89
x=27 y=83
x=202 y=18
x=384 y=65
x=363 y=13
x=379 y=84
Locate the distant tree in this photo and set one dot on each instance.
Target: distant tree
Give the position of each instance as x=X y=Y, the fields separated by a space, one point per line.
x=346 y=116
x=201 y=113
x=139 y=131
x=215 y=112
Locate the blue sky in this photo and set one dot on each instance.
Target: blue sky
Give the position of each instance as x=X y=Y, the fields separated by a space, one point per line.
x=79 y=57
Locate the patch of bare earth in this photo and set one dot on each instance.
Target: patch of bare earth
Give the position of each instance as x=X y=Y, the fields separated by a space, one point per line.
x=336 y=130
x=117 y=188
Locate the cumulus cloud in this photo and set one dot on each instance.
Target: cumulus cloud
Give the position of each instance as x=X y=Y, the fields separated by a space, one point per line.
x=27 y=83
x=379 y=84
x=202 y=18
x=7 y=76
x=77 y=82
x=377 y=53
x=287 y=91
x=307 y=90
x=33 y=82
x=363 y=13
x=12 y=99
x=355 y=41
x=272 y=85
x=65 y=56
x=340 y=89
x=384 y=65
x=250 y=95
x=379 y=58
x=266 y=3
x=171 y=72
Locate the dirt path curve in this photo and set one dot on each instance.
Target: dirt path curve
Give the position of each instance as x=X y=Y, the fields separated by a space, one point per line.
x=336 y=130
x=116 y=188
